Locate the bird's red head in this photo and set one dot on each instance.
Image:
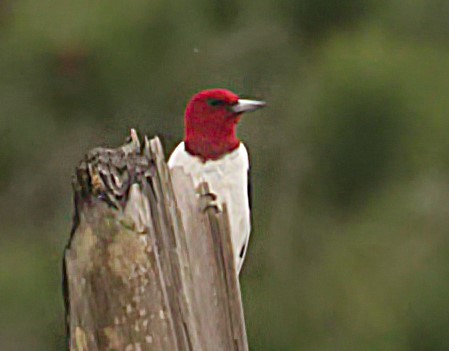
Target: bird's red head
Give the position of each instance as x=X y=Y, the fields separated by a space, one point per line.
x=211 y=120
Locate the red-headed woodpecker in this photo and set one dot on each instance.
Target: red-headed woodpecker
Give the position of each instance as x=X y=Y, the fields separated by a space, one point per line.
x=212 y=152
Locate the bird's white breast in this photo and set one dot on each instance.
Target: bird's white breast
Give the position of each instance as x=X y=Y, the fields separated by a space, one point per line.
x=228 y=179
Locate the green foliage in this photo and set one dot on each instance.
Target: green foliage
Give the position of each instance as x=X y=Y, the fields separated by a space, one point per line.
x=315 y=19
x=350 y=160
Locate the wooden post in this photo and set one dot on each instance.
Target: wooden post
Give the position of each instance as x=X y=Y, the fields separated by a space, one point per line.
x=149 y=265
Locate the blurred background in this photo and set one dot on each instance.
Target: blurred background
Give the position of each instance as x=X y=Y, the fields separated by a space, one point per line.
x=350 y=249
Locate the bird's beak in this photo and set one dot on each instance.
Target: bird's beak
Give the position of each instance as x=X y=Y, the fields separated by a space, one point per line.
x=244 y=105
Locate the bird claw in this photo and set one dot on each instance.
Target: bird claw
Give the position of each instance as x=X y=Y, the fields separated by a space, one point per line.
x=209 y=200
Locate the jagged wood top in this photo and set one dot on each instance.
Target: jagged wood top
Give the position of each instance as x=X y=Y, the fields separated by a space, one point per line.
x=109 y=173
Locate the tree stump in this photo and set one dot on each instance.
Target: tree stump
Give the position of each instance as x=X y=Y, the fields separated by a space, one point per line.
x=149 y=264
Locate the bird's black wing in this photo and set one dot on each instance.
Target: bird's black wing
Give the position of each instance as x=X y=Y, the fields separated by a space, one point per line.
x=250 y=195
x=250 y=189
x=244 y=248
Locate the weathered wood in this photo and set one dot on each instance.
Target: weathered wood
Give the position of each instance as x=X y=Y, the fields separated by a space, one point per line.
x=149 y=265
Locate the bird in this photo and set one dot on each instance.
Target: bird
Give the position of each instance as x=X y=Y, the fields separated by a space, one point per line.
x=212 y=152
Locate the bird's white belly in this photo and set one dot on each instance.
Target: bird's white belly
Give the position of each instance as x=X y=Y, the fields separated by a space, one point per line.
x=228 y=180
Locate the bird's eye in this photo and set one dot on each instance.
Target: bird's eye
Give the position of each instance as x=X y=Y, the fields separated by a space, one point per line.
x=216 y=102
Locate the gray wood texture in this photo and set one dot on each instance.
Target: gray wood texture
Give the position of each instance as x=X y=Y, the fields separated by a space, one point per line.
x=149 y=265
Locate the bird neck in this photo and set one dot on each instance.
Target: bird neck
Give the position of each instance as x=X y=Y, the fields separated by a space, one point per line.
x=209 y=141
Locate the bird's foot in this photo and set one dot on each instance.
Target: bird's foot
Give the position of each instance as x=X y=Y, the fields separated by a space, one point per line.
x=209 y=200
